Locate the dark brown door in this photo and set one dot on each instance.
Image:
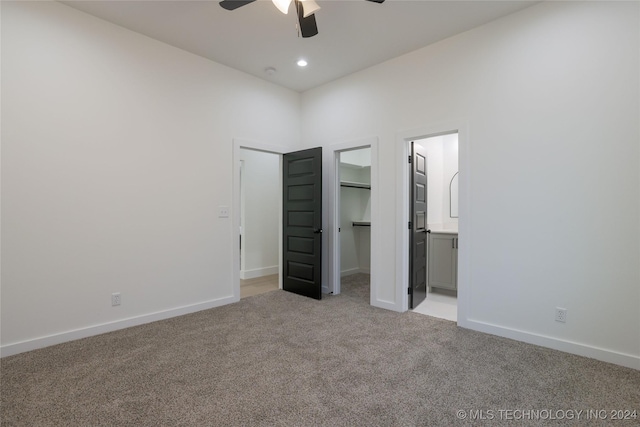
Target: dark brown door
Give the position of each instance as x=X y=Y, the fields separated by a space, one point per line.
x=418 y=226
x=302 y=222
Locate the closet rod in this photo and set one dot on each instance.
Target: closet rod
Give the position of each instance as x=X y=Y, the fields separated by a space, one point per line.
x=355 y=185
x=361 y=224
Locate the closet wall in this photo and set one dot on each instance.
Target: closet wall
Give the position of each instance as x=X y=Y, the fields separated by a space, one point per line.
x=355 y=212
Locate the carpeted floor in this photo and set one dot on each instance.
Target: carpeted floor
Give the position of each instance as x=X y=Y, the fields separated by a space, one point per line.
x=278 y=359
x=356 y=286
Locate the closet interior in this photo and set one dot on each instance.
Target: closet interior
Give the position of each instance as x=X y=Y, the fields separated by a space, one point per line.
x=355 y=221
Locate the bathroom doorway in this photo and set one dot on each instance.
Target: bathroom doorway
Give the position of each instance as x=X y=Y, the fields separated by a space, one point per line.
x=441 y=154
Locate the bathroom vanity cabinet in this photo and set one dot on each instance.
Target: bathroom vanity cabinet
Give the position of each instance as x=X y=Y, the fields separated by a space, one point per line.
x=443 y=261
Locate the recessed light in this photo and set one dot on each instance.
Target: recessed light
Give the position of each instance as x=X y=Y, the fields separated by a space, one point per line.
x=302 y=63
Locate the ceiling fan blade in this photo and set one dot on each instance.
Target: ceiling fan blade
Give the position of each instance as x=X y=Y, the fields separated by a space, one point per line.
x=234 y=4
x=308 y=27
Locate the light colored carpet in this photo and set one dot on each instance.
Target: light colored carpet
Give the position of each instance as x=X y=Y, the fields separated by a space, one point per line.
x=259 y=285
x=278 y=359
x=357 y=286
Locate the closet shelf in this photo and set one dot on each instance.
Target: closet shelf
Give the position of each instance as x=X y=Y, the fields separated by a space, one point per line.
x=361 y=224
x=355 y=185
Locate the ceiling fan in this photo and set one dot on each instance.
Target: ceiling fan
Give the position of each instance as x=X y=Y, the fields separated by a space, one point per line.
x=304 y=8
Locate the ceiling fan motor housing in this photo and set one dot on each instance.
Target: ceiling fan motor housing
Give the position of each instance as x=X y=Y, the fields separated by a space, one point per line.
x=305 y=10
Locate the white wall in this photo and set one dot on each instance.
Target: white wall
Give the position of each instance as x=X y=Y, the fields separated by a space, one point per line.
x=261 y=198
x=550 y=96
x=449 y=168
x=442 y=164
x=116 y=153
x=360 y=157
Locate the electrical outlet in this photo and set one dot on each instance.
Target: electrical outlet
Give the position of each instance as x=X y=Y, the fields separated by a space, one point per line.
x=223 y=212
x=115 y=299
x=561 y=315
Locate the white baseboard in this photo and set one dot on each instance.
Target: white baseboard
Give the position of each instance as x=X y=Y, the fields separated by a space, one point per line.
x=258 y=272
x=350 y=271
x=388 y=305
x=610 y=356
x=36 y=343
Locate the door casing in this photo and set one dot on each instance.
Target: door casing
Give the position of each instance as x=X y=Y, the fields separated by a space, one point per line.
x=403 y=141
x=333 y=186
x=331 y=216
x=235 y=208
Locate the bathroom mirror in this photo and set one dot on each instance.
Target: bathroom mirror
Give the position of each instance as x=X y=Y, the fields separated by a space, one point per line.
x=453 y=196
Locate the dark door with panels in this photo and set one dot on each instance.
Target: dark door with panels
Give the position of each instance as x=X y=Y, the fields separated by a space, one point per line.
x=418 y=226
x=302 y=222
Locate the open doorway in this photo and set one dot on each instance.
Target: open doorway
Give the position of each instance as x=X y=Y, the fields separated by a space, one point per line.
x=441 y=154
x=260 y=195
x=354 y=176
x=295 y=196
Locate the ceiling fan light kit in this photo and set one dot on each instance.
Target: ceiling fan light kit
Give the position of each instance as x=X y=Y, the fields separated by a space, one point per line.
x=306 y=10
x=282 y=5
x=309 y=7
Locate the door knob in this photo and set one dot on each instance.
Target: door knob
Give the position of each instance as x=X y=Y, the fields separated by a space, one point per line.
x=317 y=230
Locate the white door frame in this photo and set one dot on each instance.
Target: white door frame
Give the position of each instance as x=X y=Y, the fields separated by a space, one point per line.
x=235 y=208
x=402 y=211
x=333 y=160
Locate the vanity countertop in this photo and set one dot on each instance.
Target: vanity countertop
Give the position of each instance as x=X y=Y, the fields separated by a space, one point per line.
x=444 y=230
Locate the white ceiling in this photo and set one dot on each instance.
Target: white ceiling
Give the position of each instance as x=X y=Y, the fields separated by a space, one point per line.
x=353 y=34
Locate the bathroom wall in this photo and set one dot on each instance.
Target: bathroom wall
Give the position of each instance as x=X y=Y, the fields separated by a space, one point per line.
x=442 y=164
x=449 y=169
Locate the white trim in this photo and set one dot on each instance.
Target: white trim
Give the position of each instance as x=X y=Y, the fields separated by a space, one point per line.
x=235 y=207
x=402 y=211
x=333 y=185
x=622 y=359
x=259 y=272
x=387 y=305
x=335 y=267
x=350 y=272
x=49 y=340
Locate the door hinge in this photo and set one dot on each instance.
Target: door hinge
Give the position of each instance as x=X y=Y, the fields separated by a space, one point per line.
x=410 y=225
x=410 y=159
x=409 y=291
